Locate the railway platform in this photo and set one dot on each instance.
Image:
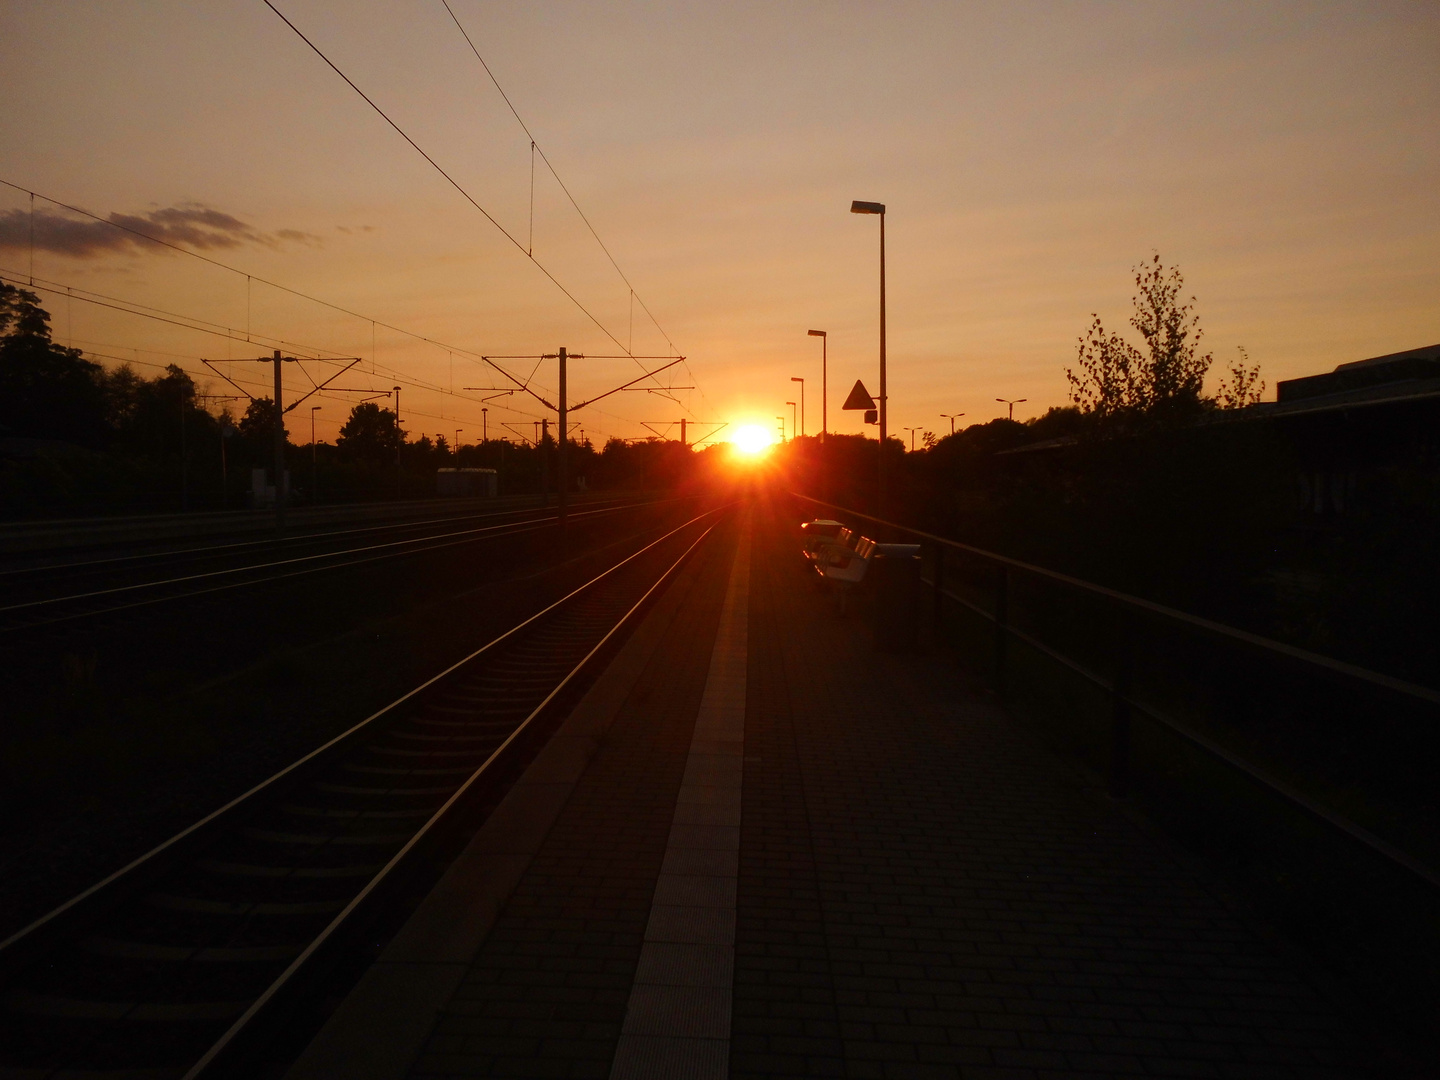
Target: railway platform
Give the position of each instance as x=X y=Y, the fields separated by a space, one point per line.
x=760 y=848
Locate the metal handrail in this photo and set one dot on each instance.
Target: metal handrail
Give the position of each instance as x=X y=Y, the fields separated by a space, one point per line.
x=1354 y=671
x=1286 y=791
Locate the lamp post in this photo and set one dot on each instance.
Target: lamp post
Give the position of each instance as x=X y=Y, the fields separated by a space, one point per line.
x=399 y=440
x=858 y=207
x=484 y=427
x=952 y=418
x=912 y=431
x=1012 y=404
x=824 y=379
x=793 y=428
x=782 y=427
x=796 y=378
x=314 y=459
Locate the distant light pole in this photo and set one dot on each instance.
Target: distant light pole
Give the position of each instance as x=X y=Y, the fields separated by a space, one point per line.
x=858 y=207
x=824 y=379
x=399 y=441
x=484 y=427
x=796 y=378
x=1012 y=404
x=912 y=431
x=793 y=428
x=782 y=427
x=456 y=448
x=314 y=459
x=952 y=418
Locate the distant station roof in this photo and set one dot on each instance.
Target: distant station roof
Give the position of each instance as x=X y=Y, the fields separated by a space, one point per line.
x=1414 y=373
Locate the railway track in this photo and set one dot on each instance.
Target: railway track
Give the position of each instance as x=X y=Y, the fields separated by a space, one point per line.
x=88 y=590
x=168 y=967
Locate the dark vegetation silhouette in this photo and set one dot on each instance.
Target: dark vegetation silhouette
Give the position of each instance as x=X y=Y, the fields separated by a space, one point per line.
x=77 y=438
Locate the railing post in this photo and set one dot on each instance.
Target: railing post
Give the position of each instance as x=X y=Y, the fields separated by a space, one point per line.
x=1002 y=614
x=1120 y=711
x=937 y=575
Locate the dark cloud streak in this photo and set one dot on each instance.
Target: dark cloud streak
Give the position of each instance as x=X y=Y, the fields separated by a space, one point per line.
x=194 y=226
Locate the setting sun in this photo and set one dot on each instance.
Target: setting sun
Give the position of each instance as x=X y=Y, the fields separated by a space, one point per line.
x=752 y=439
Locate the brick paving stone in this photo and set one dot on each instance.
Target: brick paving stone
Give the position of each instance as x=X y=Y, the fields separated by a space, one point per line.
x=960 y=904
x=546 y=994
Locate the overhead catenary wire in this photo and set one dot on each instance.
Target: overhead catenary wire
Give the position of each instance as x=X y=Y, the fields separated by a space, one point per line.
x=198 y=325
x=250 y=278
x=536 y=148
x=234 y=334
x=449 y=179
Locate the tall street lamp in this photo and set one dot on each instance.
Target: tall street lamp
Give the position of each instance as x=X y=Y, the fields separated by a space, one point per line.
x=793 y=428
x=782 y=427
x=456 y=448
x=912 y=431
x=858 y=207
x=1012 y=404
x=484 y=427
x=952 y=417
x=824 y=379
x=794 y=378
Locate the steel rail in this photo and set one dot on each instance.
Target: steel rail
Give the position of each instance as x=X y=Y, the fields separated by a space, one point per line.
x=335 y=925
x=223 y=811
x=338 y=562
x=294 y=538
x=267 y=565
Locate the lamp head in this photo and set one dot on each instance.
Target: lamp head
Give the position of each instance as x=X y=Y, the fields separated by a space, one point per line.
x=858 y=207
x=816 y=333
x=796 y=378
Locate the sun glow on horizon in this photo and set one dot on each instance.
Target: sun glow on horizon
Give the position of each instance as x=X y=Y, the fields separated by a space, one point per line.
x=752 y=439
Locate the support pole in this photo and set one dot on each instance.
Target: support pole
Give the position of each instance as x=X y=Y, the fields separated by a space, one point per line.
x=1120 y=711
x=544 y=449
x=563 y=470
x=884 y=394
x=683 y=440
x=279 y=450
x=1002 y=624
x=938 y=582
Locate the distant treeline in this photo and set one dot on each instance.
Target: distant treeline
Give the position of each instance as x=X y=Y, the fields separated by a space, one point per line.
x=77 y=438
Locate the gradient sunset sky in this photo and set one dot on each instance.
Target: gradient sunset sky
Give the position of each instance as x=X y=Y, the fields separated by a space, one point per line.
x=1286 y=156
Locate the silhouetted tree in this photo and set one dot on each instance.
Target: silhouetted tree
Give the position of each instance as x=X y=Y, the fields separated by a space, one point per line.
x=257 y=427
x=1117 y=381
x=46 y=391
x=370 y=435
x=1244 y=386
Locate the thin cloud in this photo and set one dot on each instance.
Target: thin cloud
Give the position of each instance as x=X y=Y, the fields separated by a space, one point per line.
x=191 y=225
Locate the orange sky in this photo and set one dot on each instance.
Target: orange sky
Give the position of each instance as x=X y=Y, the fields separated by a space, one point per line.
x=1287 y=156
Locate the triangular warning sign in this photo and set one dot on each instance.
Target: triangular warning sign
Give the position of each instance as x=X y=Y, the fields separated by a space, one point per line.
x=859 y=398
